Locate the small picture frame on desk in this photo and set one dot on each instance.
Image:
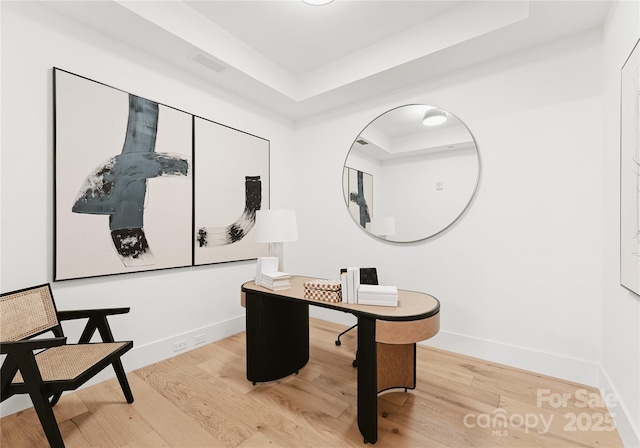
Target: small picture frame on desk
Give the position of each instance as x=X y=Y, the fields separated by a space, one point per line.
x=368 y=276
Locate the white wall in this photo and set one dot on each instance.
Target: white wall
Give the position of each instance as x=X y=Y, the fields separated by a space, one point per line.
x=165 y=305
x=620 y=308
x=528 y=277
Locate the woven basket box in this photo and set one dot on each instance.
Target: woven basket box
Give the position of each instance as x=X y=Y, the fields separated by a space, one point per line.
x=324 y=290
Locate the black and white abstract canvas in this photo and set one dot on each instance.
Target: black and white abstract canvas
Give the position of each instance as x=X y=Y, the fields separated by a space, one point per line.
x=123 y=189
x=129 y=196
x=630 y=173
x=231 y=184
x=359 y=195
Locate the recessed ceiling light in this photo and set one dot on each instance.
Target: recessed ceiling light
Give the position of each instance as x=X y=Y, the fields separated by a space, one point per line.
x=317 y=2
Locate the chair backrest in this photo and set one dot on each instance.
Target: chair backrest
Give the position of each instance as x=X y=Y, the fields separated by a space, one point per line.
x=26 y=313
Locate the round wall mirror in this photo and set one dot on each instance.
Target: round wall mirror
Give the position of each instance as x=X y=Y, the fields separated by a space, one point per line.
x=411 y=173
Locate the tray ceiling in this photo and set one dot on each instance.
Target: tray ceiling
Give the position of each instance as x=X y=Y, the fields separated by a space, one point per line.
x=300 y=60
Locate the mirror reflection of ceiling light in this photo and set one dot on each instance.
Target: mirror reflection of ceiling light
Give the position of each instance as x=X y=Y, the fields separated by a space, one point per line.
x=434 y=117
x=317 y=2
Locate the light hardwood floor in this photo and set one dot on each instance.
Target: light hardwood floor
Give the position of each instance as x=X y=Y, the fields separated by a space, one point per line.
x=202 y=399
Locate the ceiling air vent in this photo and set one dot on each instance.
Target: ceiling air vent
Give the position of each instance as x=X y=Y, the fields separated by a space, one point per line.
x=362 y=142
x=209 y=62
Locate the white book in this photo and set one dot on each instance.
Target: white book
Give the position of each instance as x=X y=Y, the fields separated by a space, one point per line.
x=356 y=284
x=278 y=281
x=263 y=265
x=378 y=289
x=374 y=297
x=258 y=271
x=277 y=275
x=276 y=287
x=378 y=295
x=269 y=264
x=344 y=287
x=364 y=301
x=352 y=291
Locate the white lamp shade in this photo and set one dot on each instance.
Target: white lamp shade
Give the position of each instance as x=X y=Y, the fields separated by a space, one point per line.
x=276 y=226
x=383 y=226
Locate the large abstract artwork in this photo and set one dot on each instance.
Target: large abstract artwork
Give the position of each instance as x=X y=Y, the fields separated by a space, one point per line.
x=358 y=189
x=232 y=183
x=124 y=184
x=630 y=173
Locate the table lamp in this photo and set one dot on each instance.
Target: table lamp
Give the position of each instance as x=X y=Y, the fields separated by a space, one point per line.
x=276 y=226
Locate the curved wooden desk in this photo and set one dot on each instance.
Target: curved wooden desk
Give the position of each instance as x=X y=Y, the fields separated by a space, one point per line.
x=278 y=340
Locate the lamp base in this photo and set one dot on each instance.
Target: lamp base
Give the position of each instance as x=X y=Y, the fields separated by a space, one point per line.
x=276 y=250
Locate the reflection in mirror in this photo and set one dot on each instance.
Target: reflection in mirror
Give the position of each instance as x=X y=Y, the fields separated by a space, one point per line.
x=411 y=173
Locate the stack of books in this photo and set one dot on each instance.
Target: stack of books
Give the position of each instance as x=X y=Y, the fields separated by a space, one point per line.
x=267 y=274
x=349 y=282
x=378 y=295
x=275 y=281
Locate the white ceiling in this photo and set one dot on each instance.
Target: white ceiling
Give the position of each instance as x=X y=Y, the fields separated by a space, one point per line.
x=299 y=60
x=301 y=38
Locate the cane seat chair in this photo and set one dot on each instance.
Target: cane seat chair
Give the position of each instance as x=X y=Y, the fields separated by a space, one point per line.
x=46 y=367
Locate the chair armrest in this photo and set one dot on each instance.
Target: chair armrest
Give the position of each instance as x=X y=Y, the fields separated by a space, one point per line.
x=97 y=322
x=13 y=347
x=81 y=314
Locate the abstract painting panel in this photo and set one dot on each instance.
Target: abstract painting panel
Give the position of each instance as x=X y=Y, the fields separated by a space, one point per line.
x=231 y=183
x=630 y=173
x=123 y=181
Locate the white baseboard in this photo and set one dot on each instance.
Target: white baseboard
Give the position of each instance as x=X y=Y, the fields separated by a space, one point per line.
x=629 y=434
x=569 y=369
x=576 y=370
x=159 y=350
x=144 y=355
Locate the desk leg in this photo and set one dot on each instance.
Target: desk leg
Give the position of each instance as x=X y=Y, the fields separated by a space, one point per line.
x=367 y=380
x=277 y=337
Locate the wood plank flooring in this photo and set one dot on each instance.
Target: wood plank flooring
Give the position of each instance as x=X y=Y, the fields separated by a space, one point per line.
x=202 y=399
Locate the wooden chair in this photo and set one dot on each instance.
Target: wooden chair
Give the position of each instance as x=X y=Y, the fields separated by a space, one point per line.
x=46 y=367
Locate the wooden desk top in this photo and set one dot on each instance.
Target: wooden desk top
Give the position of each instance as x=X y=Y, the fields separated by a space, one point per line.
x=411 y=305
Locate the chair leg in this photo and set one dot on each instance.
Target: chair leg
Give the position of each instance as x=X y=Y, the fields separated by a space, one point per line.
x=47 y=419
x=55 y=398
x=338 y=342
x=122 y=379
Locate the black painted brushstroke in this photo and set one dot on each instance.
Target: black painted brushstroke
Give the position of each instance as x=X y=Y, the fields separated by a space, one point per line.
x=202 y=237
x=361 y=202
x=253 y=197
x=118 y=187
x=234 y=233
x=130 y=243
x=221 y=236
